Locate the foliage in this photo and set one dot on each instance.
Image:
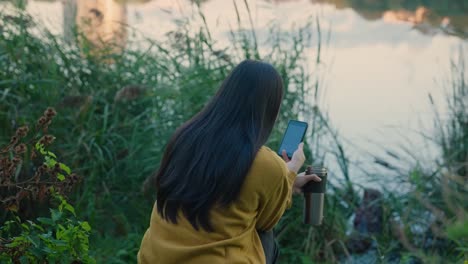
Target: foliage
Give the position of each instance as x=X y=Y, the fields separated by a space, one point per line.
x=28 y=171
x=429 y=213
x=30 y=175
x=117 y=111
x=60 y=238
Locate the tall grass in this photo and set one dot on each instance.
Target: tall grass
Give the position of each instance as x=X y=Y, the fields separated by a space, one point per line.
x=116 y=112
x=428 y=215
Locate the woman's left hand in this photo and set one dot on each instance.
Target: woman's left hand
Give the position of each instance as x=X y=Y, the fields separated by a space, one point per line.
x=302 y=179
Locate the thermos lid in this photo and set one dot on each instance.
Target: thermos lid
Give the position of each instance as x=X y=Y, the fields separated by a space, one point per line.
x=316 y=187
x=320 y=168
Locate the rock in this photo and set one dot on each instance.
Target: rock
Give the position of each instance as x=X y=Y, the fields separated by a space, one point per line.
x=369 y=257
x=432 y=243
x=358 y=243
x=393 y=257
x=369 y=215
x=413 y=260
x=367 y=221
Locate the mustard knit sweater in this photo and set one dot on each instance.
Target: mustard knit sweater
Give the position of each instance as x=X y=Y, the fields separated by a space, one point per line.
x=264 y=196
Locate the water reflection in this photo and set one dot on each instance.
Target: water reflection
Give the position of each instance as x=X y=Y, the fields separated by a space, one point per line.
x=380 y=72
x=428 y=17
x=102 y=22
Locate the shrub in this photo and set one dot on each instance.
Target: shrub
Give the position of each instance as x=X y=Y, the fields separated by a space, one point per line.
x=29 y=176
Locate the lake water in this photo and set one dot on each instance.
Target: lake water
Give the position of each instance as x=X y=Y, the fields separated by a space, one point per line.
x=378 y=68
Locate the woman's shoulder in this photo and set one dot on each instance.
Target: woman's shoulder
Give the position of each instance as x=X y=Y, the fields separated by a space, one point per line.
x=266 y=154
x=268 y=167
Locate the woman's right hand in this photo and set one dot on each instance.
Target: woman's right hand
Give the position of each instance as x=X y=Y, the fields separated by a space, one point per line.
x=297 y=160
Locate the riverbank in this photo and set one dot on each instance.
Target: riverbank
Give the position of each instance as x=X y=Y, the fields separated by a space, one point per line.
x=117 y=109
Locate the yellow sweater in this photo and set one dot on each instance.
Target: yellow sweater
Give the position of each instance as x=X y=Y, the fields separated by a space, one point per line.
x=265 y=195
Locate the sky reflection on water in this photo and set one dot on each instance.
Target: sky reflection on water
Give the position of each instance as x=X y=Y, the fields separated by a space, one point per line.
x=379 y=66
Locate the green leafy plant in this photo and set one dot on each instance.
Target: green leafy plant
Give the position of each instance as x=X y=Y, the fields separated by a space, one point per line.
x=117 y=109
x=60 y=238
x=30 y=172
x=29 y=176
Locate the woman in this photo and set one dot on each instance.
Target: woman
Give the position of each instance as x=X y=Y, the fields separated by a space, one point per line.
x=220 y=192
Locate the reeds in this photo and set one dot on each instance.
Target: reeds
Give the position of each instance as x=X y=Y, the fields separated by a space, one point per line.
x=117 y=110
x=428 y=213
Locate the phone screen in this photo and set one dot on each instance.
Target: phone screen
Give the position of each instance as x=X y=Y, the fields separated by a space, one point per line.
x=293 y=137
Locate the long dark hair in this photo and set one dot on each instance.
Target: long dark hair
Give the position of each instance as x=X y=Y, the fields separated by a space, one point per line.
x=208 y=157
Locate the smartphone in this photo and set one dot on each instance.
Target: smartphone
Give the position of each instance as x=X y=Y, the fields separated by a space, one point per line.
x=293 y=136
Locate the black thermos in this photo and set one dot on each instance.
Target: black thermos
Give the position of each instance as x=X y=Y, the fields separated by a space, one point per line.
x=314 y=196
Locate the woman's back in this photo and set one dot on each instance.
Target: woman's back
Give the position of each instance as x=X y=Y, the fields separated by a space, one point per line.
x=265 y=194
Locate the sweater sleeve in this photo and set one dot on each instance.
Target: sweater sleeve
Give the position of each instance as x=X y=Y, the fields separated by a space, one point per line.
x=277 y=199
